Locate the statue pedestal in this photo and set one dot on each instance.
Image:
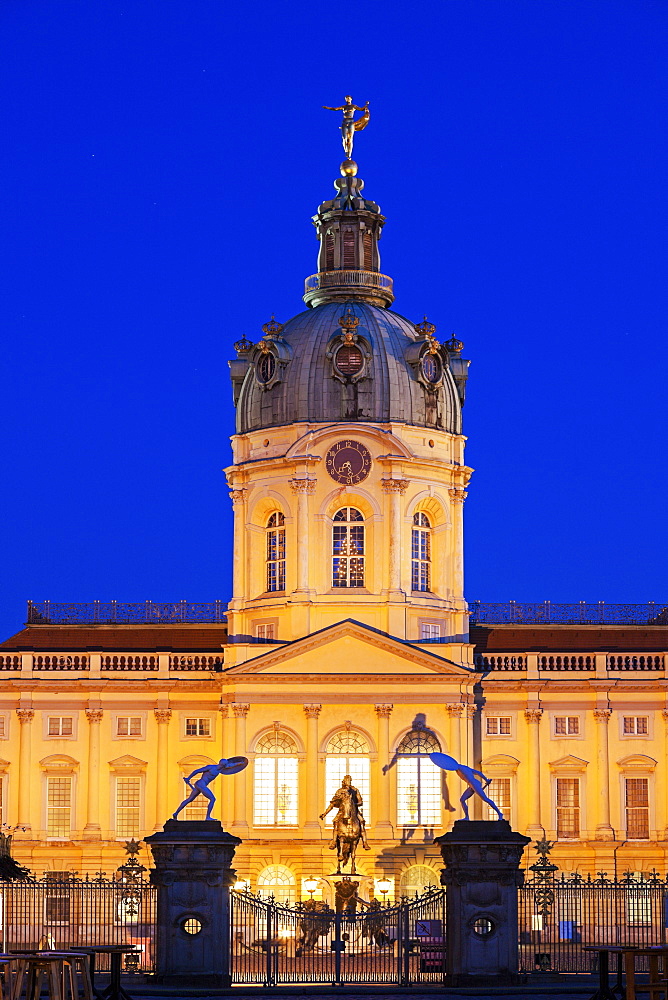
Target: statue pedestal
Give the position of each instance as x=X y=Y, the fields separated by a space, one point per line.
x=193 y=874
x=481 y=875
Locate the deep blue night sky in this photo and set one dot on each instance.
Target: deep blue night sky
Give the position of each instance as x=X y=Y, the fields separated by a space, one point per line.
x=160 y=162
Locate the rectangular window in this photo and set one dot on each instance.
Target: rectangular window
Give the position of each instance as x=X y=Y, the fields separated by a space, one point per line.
x=266 y=631
x=429 y=630
x=567 y=725
x=3 y=727
x=128 y=807
x=58 y=807
x=499 y=791
x=639 y=907
x=275 y=791
x=198 y=727
x=57 y=909
x=568 y=808
x=128 y=725
x=636 y=725
x=60 y=725
x=637 y=808
x=418 y=791
x=498 y=726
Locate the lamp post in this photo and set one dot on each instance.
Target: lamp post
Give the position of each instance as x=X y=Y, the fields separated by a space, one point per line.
x=384 y=884
x=310 y=884
x=243 y=885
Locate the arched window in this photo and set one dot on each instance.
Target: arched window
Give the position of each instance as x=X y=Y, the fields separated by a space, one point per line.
x=421 y=552
x=276 y=780
x=418 y=780
x=348 y=753
x=276 y=552
x=416 y=879
x=348 y=548
x=277 y=881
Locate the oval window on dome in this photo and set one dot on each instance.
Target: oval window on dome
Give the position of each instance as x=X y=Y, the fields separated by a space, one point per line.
x=348 y=359
x=265 y=368
x=432 y=368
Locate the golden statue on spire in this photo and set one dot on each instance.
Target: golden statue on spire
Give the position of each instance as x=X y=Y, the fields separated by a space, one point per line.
x=349 y=126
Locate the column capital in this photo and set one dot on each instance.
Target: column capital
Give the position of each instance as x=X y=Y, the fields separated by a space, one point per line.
x=454 y=709
x=312 y=711
x=602 y=714
x=162 y=715
x=224 y=710
x=533 y=715
x=471 y=710
x=383 y=711
x=25 y=715
x=394 y=485
x=240 y=710
x=665 y=715
x=457 y=494
x=306 y=486
x=94 y=715
x=238 y=495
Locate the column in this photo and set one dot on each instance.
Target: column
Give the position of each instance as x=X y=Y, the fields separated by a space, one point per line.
x=162 y=810
x=533 y=717
x=26 y=716
x=396 y=489
x=303 y=488
x=458 y=496
x=604 y=830
x=238 y=498
x=471 y=712
x=92 y=829
x=226 y=788
x=240 y=712
x=455 y=712
x=383 y=822
x=312 y=796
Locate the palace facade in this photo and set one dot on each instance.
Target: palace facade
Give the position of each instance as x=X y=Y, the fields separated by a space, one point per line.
x=346 y=645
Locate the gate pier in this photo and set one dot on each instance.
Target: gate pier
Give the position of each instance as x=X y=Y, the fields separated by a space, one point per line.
x=193 y=874
x=482 y=875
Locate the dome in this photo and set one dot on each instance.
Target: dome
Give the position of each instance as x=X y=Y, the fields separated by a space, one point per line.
x=346 y=360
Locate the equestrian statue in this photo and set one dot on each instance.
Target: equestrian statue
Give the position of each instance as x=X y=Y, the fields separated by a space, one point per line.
x=348 y=826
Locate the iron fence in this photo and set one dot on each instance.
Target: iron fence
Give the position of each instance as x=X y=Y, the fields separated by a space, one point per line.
x=580 y=613
x=402 y=944
x=123 y=613
x=69 y=912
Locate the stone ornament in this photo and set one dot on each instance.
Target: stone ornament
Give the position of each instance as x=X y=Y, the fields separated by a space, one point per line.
x=162 y=715
x=312 y=711
x=383 y=711
x=25 y=715
x=306 y=486
x=94 y=715
x=238 y=496
x=395 y=485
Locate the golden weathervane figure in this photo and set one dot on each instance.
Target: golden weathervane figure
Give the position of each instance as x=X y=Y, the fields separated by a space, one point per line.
x=349 y=126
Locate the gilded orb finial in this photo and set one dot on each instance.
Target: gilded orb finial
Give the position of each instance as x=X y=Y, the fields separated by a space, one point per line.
x=348 y=128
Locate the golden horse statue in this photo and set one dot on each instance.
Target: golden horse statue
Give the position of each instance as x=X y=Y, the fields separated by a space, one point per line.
x=349 y=826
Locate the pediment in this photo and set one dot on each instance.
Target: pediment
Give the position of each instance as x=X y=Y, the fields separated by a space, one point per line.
x=127 y=761
x=569 y=763
x=500 y=763
x=353 y=649
x=637 y=761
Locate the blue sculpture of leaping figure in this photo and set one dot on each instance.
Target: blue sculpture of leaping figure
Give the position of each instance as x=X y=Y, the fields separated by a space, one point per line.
x=470 y=776
x=209 y=773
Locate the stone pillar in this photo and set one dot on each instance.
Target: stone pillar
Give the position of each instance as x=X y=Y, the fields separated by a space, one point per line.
x=312 y=826
x=482 y=875
x=458 y=496
x=238 y=498
x=162 y=810
x=26 y=716
x=226 y=792
x=240 y=821
x=604 y=830
x=396 y=489
x=92 y=830
x=455 y=749
x=665 y=719
x=304 y=488
x=193 y=874
x=533 y=717
x=384 y=827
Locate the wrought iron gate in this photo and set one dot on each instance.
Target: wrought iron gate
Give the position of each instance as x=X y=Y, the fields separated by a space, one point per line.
x=401 y=944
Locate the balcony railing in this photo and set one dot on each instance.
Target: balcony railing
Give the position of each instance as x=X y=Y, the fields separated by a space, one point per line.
x=345 y=278
x=582 y=613
x=121 y=613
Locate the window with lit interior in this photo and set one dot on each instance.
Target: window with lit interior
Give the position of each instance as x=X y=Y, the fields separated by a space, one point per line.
x=348 y=548
x=421 y=552
x=277 y=881
x=418 y=780
x=348 y=753
x=276 y=552
x=276 y=780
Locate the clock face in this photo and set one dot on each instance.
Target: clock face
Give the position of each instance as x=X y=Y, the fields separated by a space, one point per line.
x=348 y=462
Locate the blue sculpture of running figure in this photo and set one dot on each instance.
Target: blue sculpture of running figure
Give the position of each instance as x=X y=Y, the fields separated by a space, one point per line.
x=209 y=773
x=470 y=776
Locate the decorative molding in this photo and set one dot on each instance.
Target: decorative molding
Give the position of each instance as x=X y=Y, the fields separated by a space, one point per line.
x=224 y=711
x=471 y=710
x=395 y=485
x=454 y=709
x=457 y=494
x=94 y=715
x=533 y=715
x=240 y=710
x=238 y=496
x=312 y=711
x=383 y=711
x=602 y=714
x=25 y=715
x=306 y=486
x=162 y=715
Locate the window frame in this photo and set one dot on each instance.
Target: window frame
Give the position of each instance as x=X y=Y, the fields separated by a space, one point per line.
x=293 y=756
x=275 y=559
x=579 y=735
x=348 y=557
x=140 y=778
x=497 y=717
x=422 y=563
x=635 y=735
x=578 y=778
x=366 y=755
x=421 y=792
x=117 y=716
x=68 y=776
x=433 y=624
x=635 y=775
x=210 y=717
x=62 y=714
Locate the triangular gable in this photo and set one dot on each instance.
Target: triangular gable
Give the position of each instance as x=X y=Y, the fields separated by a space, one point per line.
x=348 y=647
